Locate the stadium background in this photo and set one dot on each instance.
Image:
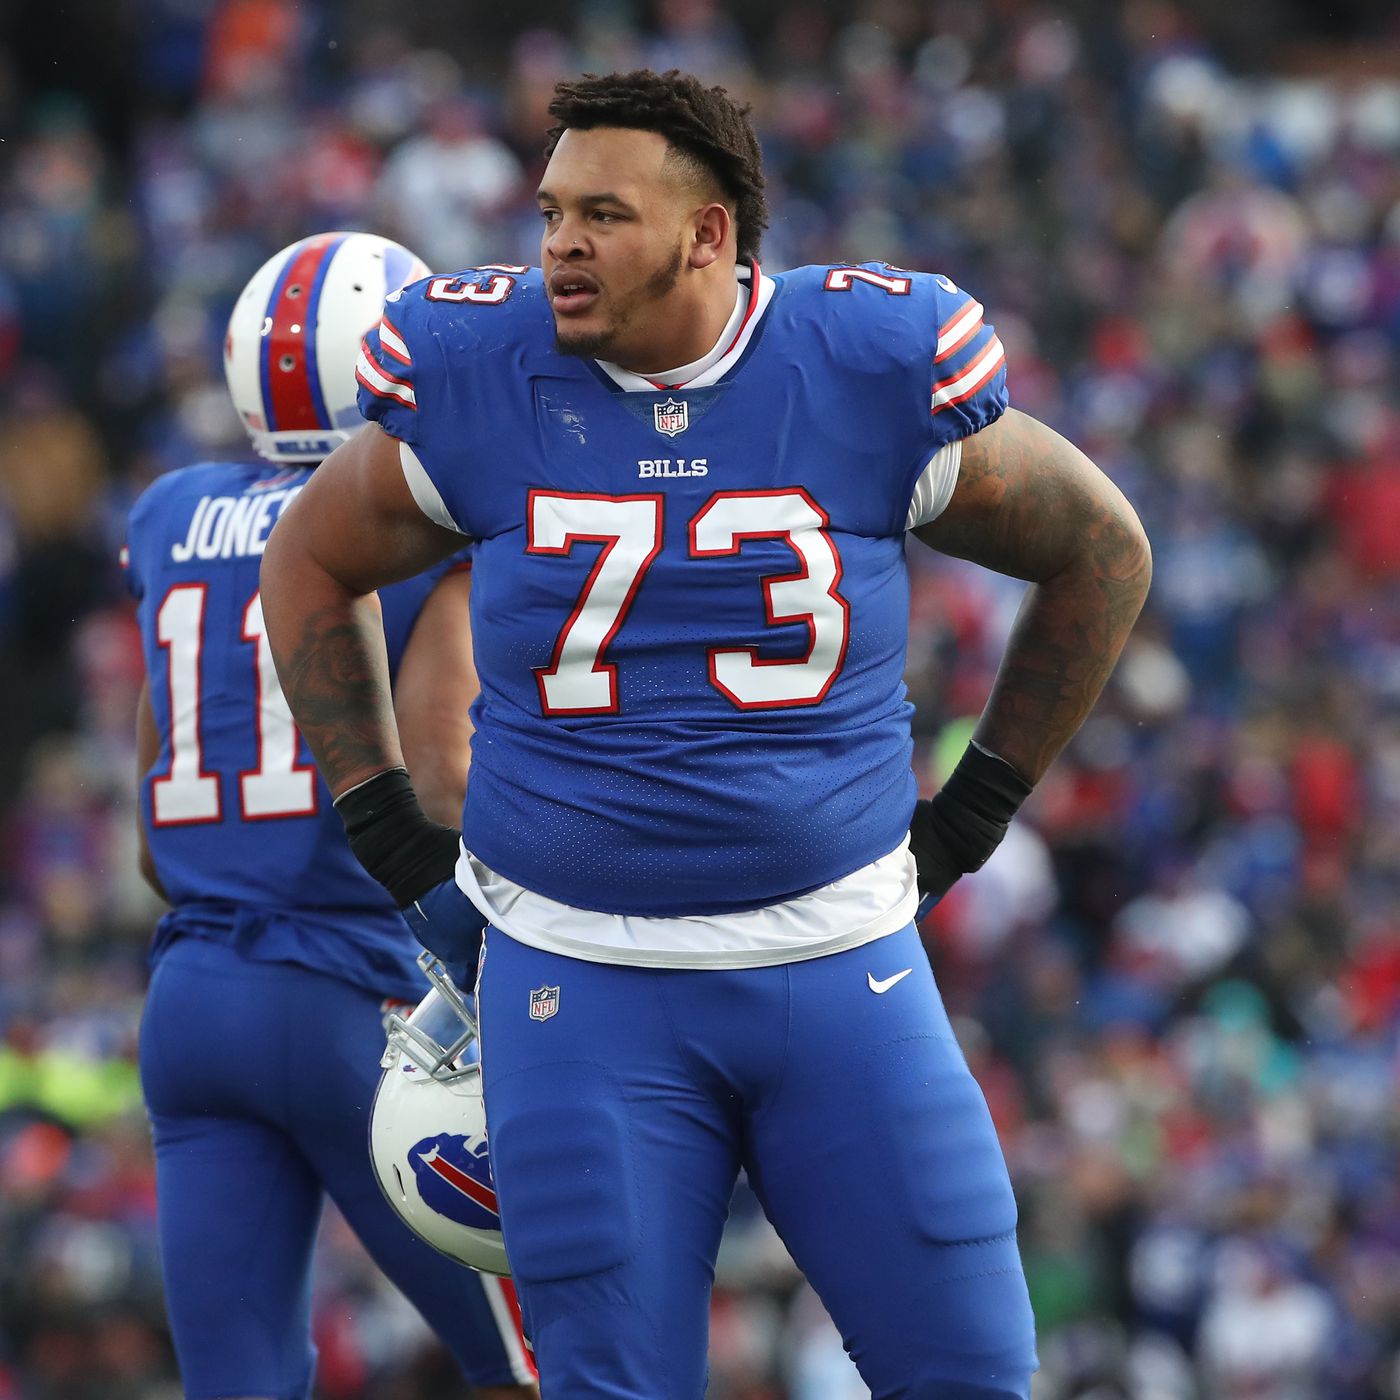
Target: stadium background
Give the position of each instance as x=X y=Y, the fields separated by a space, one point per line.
x=1179 y=982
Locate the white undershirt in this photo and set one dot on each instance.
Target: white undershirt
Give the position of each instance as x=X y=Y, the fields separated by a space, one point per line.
x=872 y=902
x=685 y=373
x=934 y=488
x=728 y=349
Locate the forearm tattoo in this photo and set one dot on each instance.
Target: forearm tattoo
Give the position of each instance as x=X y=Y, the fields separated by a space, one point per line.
x=1062 y=650
x=336 y=680
x=1036 y=508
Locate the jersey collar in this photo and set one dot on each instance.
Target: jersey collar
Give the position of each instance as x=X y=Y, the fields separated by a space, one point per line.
x=751 y=300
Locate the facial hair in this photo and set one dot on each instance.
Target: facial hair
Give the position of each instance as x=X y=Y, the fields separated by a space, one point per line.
x=599 y=345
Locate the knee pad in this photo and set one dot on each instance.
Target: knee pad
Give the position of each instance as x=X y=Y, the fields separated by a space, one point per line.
x=941 y=1152
x=561 y=1154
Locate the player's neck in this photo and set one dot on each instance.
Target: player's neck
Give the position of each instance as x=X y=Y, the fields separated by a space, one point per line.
x=690 y=321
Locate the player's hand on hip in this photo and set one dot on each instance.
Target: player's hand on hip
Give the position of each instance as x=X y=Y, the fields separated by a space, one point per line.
x=450 y=926
x=956 y=830
x=937 y=867
x=415 y=859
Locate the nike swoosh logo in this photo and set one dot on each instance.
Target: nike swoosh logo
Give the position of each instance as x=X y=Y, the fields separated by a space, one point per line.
x=886 y=983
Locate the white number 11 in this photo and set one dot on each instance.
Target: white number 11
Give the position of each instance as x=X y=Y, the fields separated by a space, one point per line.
x=186 y=794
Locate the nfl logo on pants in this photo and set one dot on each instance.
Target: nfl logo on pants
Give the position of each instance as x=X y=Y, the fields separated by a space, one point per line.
x=544 y=1002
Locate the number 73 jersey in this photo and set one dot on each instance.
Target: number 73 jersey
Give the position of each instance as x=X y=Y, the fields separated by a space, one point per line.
x=690 y=602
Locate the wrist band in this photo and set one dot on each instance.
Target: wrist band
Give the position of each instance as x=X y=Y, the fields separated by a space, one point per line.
x=394 y=839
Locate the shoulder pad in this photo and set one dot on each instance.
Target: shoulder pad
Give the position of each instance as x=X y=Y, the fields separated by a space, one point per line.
x=435 y=317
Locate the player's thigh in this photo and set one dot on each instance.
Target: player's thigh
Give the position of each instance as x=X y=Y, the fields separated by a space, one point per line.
x=614 y=1164
x=238 y=1203
x=237 y=1209
x=878 y=1163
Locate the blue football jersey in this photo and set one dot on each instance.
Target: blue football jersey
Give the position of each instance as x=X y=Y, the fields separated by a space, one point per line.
x=690 y=603
x=242 y=830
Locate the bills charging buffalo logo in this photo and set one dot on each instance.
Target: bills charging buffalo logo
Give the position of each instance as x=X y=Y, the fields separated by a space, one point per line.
x=454 y=1179
x=671 y=417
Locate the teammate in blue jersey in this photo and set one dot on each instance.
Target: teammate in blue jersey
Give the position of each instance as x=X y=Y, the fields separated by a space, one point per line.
x=688 y=825
x=271 y=972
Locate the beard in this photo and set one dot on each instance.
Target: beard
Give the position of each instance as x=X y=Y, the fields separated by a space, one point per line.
x=602 y=344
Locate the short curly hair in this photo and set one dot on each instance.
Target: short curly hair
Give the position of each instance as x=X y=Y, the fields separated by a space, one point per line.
x=703 y=124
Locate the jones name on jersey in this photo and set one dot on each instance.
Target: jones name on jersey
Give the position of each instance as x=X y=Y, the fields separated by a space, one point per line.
x=223 y=526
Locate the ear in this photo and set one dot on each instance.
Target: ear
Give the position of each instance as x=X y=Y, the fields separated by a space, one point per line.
x=710 y=230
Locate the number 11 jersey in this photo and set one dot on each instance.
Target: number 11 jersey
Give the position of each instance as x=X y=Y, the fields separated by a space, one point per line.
x=240 y=825
x=690 y=600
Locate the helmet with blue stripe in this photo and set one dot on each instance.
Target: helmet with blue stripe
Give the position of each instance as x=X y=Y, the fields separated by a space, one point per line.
x=427 y=1128
x=295 y=333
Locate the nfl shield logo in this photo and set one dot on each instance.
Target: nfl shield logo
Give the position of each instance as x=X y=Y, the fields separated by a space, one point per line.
x=544 y=1002
x=671 y=417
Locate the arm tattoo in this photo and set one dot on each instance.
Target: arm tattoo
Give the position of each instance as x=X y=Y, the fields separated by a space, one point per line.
x=1065 y=643
x=336 y=680
x=1031 y=505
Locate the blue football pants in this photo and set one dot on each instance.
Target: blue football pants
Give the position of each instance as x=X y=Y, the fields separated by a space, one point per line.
x=258 y=1080
x=621 y=1103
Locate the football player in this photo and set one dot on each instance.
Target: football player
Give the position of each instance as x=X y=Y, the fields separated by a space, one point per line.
x=689 y=483
x=272 y=971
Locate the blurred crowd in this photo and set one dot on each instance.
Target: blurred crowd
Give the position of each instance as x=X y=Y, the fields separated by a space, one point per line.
x=1178 y=981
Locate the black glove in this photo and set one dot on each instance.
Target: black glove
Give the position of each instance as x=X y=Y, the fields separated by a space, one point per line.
x=394 y=839
x=956 y=830
x=415 y=859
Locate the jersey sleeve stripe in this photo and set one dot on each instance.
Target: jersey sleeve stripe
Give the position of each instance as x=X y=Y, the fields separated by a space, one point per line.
x=370 y=351
x=393 y=343
x=958 y=330
x=963 y=385
x=382 y=383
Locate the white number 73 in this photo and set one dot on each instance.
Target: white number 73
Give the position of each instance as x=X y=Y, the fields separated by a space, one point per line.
x=580 y=681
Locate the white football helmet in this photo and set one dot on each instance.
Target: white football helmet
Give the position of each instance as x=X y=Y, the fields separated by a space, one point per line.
x=427 y=1131
x=294 y=337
